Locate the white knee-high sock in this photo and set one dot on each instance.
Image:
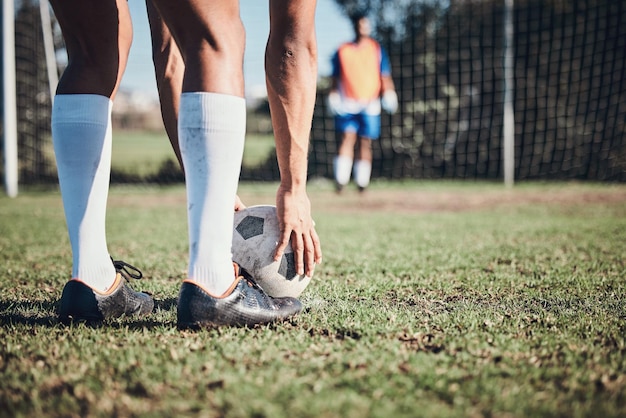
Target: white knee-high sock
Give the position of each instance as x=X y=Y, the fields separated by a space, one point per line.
x=211 y=132
x=343 y=167
x=81 y=132
x=362 y=173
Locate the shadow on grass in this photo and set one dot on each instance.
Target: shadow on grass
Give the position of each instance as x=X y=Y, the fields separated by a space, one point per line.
x=44 y=313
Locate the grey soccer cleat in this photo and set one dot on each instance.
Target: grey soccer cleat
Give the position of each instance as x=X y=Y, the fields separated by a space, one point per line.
x=79 y=302
x=244 y=304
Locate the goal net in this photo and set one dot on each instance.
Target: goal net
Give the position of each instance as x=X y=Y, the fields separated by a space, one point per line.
x=569 y=93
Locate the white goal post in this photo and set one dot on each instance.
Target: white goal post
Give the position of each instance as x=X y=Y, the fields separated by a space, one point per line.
x=9 y=79
x=9 y=99
x=508 y=133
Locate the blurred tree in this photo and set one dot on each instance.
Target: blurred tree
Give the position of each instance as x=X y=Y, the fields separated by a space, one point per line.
x=394 y=20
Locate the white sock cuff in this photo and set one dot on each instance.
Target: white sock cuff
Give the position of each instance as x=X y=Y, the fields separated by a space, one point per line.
x=220 y=112
x=362 y=172
x=82 y=108
x=343 y=167
x=343 y=159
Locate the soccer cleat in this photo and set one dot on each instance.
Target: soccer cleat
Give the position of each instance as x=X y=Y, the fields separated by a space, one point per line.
x=79 y=302
x=244 y=304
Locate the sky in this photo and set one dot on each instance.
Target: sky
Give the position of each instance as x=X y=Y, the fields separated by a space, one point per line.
x=332 y=29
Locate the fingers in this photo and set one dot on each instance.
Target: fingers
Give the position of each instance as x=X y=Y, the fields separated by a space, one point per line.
x=298 y=229
x=317 y=248
x=285 y=237
x=306 y=248
x=239 y=204
x=312 y=250
x=297 y=244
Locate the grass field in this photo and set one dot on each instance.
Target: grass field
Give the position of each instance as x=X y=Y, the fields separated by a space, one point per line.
x=143 y=153
x=434 y=299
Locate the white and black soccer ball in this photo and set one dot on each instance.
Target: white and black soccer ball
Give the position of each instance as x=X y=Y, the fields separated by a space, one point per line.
x=255 y=236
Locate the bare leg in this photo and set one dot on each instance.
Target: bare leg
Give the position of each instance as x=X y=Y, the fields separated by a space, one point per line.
x=342 y=164
x=211 y=39
x=169 y=69
x=211 y=132
x=211 y=129
x=348 y=142
x=363 y=163
x=97 y=35
x=365 y=149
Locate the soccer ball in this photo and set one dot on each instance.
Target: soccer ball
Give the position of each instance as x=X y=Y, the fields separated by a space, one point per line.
x=255 y=236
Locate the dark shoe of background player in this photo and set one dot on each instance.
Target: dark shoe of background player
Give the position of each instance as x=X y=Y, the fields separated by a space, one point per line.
x=79 y=302
x=245 y=303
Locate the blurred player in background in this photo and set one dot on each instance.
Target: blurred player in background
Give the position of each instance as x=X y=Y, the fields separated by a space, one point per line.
x=205 y=113
x=361 y=83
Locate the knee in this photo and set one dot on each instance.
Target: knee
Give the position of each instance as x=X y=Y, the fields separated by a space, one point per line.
x=222 y=45
x=95 y=71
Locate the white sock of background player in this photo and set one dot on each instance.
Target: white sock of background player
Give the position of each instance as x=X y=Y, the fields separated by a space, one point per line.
x=343 y=167
x=362 y=173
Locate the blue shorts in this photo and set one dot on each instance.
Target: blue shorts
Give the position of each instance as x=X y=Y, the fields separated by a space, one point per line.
x=361 y=123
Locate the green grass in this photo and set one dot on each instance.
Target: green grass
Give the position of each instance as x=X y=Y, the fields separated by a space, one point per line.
x=140 y=153
x=143 y=153
x=434 y=299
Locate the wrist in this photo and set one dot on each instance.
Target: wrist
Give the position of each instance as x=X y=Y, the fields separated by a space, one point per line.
x=292 y=185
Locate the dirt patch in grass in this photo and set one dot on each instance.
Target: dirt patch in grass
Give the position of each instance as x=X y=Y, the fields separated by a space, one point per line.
x=426 y=201
x=399 y=199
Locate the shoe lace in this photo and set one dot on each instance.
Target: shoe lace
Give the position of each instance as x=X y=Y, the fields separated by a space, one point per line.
x=127 y=270
x=247 y=277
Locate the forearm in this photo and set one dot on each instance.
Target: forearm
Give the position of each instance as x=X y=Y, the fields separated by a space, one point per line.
x=387 y=83
x=291 y=69
x=291 y=95
x=389 y=99
x=291 y=76
x=334 y=84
